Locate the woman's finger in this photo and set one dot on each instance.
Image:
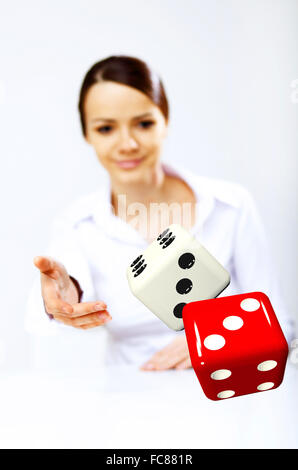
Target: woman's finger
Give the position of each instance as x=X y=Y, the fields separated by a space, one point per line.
x=85 y=308
x=162 y=362
x=46 y=265
x=186 y=364
x=90 y=321
x=57 y=306
x=168 y=357
x=168 y=362
x=42 y=263
x=88 y=327
x=99 y=318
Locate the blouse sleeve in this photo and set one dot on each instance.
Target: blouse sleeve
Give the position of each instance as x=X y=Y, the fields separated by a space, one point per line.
x=64 y=246
x=253 y=264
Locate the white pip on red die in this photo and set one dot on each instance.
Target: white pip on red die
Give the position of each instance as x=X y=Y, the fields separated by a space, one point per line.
x=173 y=270
x=236 y=345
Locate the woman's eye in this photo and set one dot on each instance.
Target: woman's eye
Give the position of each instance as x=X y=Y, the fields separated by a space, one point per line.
x=146 y=124
x=104 y=129
x=107 y=129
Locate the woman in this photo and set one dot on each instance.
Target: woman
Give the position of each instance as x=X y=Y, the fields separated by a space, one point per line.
x=124 y=116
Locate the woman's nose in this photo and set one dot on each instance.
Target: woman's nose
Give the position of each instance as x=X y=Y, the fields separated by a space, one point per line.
x=127 y=143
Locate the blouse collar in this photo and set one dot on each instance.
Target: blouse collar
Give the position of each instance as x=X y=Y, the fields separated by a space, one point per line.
x=117 y=228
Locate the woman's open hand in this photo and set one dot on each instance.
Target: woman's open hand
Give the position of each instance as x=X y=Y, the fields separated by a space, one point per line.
x=173 y=356
x=61 y=298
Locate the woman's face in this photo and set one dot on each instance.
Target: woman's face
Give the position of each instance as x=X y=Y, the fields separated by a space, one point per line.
x=125 y=128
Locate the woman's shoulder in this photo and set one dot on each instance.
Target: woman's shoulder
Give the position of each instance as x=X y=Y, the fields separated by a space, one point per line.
x=220 y=189
x=225 y=191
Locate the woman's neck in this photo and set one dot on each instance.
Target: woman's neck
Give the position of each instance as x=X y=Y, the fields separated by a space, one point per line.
x=152 y=188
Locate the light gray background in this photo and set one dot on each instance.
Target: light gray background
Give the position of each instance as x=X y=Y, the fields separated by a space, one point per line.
x=228 y=68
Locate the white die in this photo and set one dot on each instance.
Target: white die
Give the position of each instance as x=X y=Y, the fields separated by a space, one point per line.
x=175 y=269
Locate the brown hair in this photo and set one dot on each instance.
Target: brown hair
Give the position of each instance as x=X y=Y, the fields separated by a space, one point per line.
x=129 y=71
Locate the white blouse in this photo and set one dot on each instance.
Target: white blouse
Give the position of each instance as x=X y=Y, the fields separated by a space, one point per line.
x=96 y=247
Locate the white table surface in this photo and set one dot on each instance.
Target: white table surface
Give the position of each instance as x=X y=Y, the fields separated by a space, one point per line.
x=119 y=408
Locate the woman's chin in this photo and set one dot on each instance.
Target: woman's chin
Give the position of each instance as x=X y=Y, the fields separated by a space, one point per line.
x=130 y=176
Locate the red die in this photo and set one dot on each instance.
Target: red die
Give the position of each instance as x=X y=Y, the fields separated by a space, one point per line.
x=236 y=344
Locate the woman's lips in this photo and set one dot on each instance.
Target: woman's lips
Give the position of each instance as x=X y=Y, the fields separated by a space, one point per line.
x=128 y=164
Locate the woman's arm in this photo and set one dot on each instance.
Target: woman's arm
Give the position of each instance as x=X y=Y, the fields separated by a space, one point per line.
x=56 y=287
